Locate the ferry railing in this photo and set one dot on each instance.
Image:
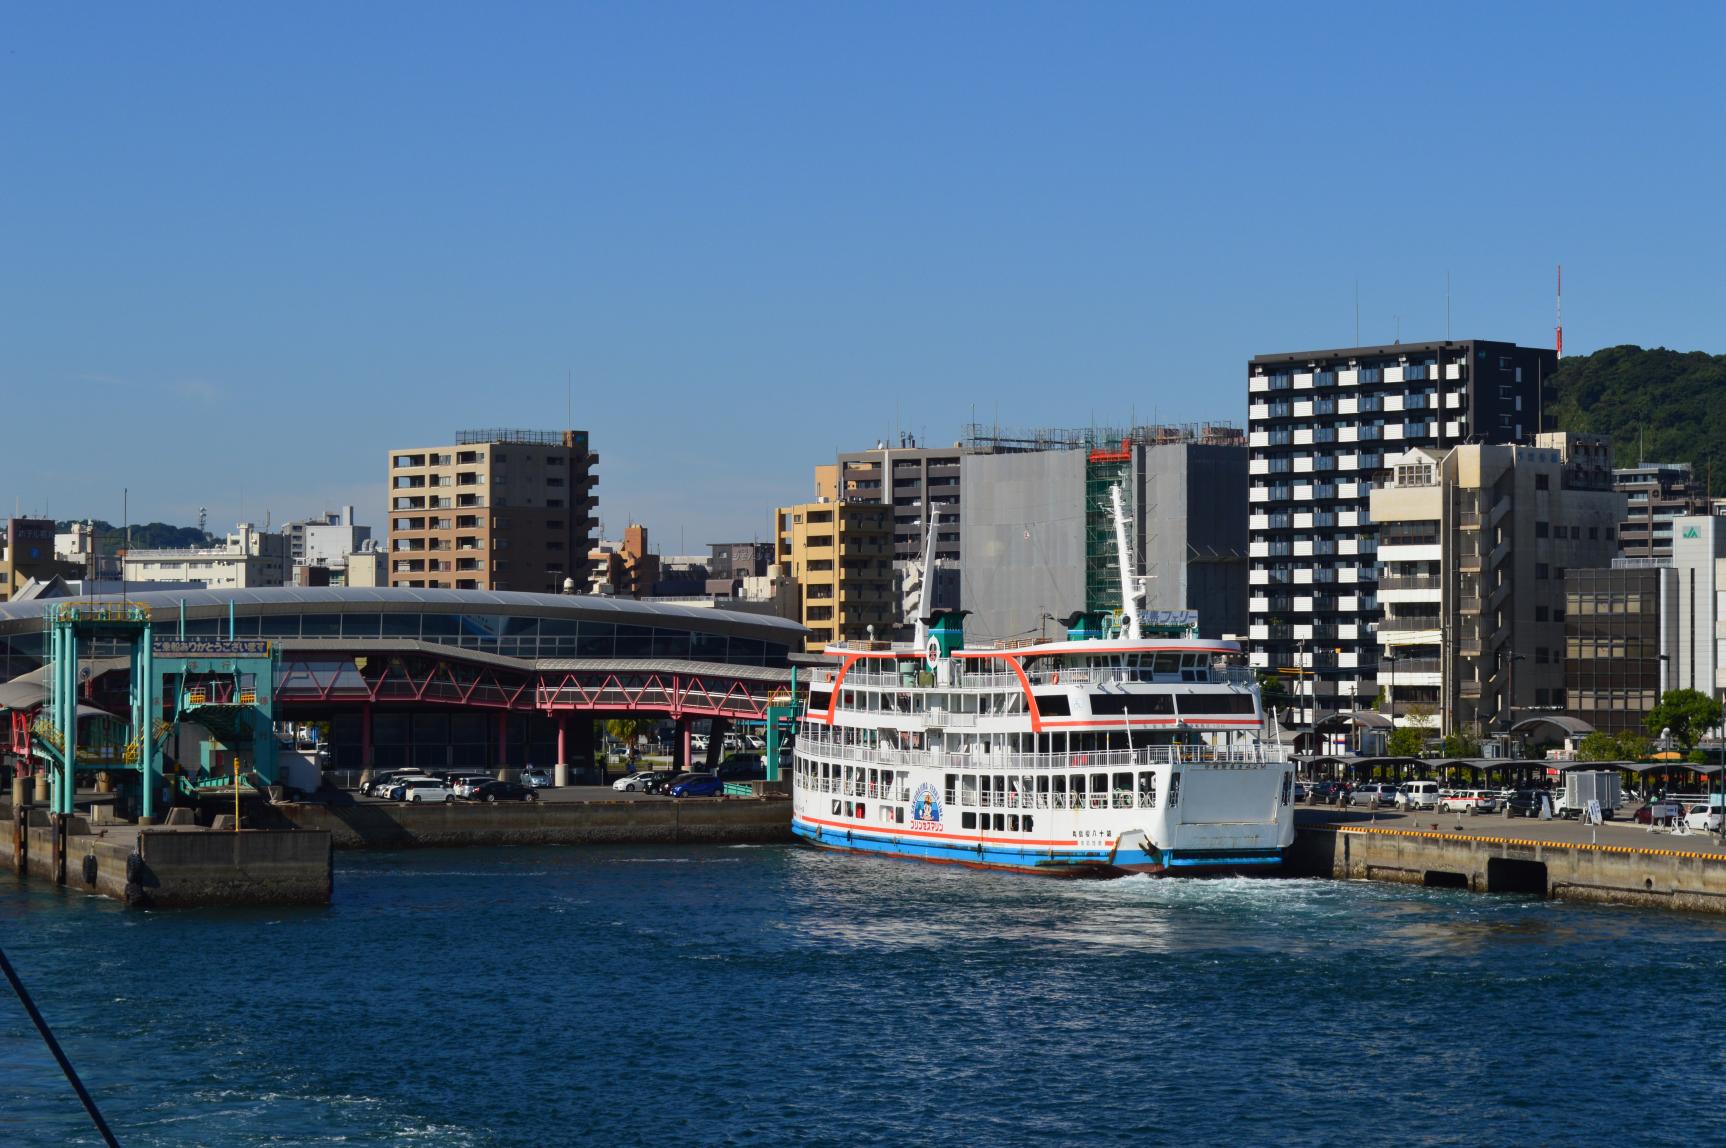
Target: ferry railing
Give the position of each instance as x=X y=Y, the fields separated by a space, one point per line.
x=966 y=679
x=1253 y=755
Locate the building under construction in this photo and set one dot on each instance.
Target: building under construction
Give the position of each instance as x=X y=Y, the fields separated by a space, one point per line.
x=1039 y=537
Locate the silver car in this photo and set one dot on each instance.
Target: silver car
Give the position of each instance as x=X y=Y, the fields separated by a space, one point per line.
x=1375 y=795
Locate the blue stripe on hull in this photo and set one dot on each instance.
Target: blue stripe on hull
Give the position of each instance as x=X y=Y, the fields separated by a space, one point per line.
x=1019 y=859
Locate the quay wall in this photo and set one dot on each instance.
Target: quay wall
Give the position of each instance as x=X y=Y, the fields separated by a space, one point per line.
x=403 y=826
x=1607 y=874
x=173 y=868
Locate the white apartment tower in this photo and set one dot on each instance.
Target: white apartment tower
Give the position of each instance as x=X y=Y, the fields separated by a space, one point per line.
x=1320 y=427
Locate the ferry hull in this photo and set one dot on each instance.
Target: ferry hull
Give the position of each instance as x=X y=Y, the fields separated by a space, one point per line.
x=1041 y=862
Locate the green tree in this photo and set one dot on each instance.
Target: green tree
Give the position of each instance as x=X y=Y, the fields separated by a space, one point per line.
x=1598 y=746
x=1461 y=745
x=1405 y=741
x=1687 y=714
x=1632 y=746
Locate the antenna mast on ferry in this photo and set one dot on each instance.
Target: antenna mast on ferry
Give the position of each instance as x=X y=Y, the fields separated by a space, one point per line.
x=925 y=576
x=1132 y=587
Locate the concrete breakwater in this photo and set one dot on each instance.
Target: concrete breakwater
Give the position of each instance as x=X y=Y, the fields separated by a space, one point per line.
x=368 y=825
x=1647 y=876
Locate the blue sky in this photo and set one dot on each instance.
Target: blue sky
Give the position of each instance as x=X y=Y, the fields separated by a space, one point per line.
x=246 y=249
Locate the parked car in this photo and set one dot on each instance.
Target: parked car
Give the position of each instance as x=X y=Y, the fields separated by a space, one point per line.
x=1374 y=795
x=1704 y=818
x=425 y=789
x=1662 y=812
x=1300 y=792
x=742 y=767
x=1324 y=792
x=663 y=780
x=630 y=783
x=392 y=787
x=1418 y=795
x=464 y=784
x=537 y=777
x=698 y=785
x=381 y=783
x=503 y=791
x=1527 y=802
x=1467 y=801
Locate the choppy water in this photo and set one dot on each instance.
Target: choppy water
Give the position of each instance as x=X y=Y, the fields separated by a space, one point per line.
x=764 y=996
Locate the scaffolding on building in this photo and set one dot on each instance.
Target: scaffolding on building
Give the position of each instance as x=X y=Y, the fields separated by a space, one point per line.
x=1105 y=468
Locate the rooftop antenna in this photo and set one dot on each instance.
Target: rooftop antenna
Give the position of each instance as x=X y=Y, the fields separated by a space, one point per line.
x=1558 y=332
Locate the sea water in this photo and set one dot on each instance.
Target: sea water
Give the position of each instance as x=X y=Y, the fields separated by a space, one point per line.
x=780 y=996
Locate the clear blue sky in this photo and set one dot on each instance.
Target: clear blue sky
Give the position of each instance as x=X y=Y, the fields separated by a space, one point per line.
x=245 y=249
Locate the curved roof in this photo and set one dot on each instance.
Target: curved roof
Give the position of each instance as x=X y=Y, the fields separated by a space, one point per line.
x=398 y=599
x=1567 y=725
x=1371 y=719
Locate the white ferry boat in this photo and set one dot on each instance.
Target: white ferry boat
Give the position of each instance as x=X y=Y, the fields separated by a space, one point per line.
x=1131 y=746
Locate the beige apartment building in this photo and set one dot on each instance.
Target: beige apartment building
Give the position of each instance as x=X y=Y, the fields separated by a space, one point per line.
x=498 y=510
x=841 y=556
x=1473 y=546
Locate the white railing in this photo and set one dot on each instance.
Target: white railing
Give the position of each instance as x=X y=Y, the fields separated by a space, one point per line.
x=1255 y=755
x=964 y=679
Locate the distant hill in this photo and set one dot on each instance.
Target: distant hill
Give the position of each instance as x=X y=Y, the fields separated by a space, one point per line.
x=145 y=536
x=1658 y=405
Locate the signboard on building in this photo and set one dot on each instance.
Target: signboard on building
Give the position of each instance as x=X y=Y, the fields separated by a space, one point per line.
x=211 y=648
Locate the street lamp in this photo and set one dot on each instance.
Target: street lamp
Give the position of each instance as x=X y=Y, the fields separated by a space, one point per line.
x=1509 y=659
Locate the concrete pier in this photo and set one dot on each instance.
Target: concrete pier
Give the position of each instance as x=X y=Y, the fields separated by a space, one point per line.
x=172 y=867
x=1667 y=872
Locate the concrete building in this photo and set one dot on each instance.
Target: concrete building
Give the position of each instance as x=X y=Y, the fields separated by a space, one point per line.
x=246 y=558
x=498 y=510
x=1040 y=537
x=1620 y=630
x=1658 y=492
x=1699 y=565
x=841 y=556
x=1473 y=546
x=368 y=566
x=625 y=569
x=326 y=540
x=911 y=479
x=1320 y=426
x=29 y=552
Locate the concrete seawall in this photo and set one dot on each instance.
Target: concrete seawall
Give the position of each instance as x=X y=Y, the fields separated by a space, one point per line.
x=1608 y=874
x=401 y=826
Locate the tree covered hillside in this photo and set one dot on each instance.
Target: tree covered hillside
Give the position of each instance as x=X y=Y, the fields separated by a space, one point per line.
x=145 y=536
x=1658 y=405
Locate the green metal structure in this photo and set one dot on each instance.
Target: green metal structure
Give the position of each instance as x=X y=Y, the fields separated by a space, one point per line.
x=225 y=686
x=1104 y=468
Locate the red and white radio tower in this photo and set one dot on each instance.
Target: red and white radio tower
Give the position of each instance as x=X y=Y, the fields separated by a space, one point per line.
x=1560 y=329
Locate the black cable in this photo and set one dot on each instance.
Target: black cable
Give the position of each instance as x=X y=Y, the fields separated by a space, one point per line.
x=54 y=1047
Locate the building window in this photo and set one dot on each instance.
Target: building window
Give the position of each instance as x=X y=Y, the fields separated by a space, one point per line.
x=1542 y=570
x=1540 y=613
x=1541 y=481
x=1540 y=530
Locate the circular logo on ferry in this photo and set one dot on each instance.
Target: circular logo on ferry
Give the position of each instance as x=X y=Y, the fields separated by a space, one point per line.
x=933 y=652
x=925 y=808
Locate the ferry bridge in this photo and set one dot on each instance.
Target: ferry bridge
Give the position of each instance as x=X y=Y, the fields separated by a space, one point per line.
x=427 y=678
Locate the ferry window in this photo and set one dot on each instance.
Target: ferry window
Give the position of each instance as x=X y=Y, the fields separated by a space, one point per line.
x=951 y=785
x=1027 y=823
x=1147 y=790
x=1000 y=822
x=1123 y=791
x=1099 y=790
x=1043 y=791
x=1059 y=785
x=1078 y=791
x=861 y=810
x=1013 y=822
x=968 y=791
x=836 y=806
x=1174 y=790
x=967 y=821
x=1167 y=665
x=1053 y=704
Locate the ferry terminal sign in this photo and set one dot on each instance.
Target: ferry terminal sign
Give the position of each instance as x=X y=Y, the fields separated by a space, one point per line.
x=926 y=809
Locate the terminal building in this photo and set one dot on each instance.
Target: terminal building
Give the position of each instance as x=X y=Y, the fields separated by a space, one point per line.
x=442 y=679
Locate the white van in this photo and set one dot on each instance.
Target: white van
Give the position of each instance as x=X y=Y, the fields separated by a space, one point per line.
x=1418 y=795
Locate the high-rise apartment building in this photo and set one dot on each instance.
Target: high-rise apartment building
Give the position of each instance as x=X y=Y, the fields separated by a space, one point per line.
x=498 y=510
x=841 y=556
x=1320 y=425
x=1474 y=543
x=1699 y=560
x=1658 y=492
